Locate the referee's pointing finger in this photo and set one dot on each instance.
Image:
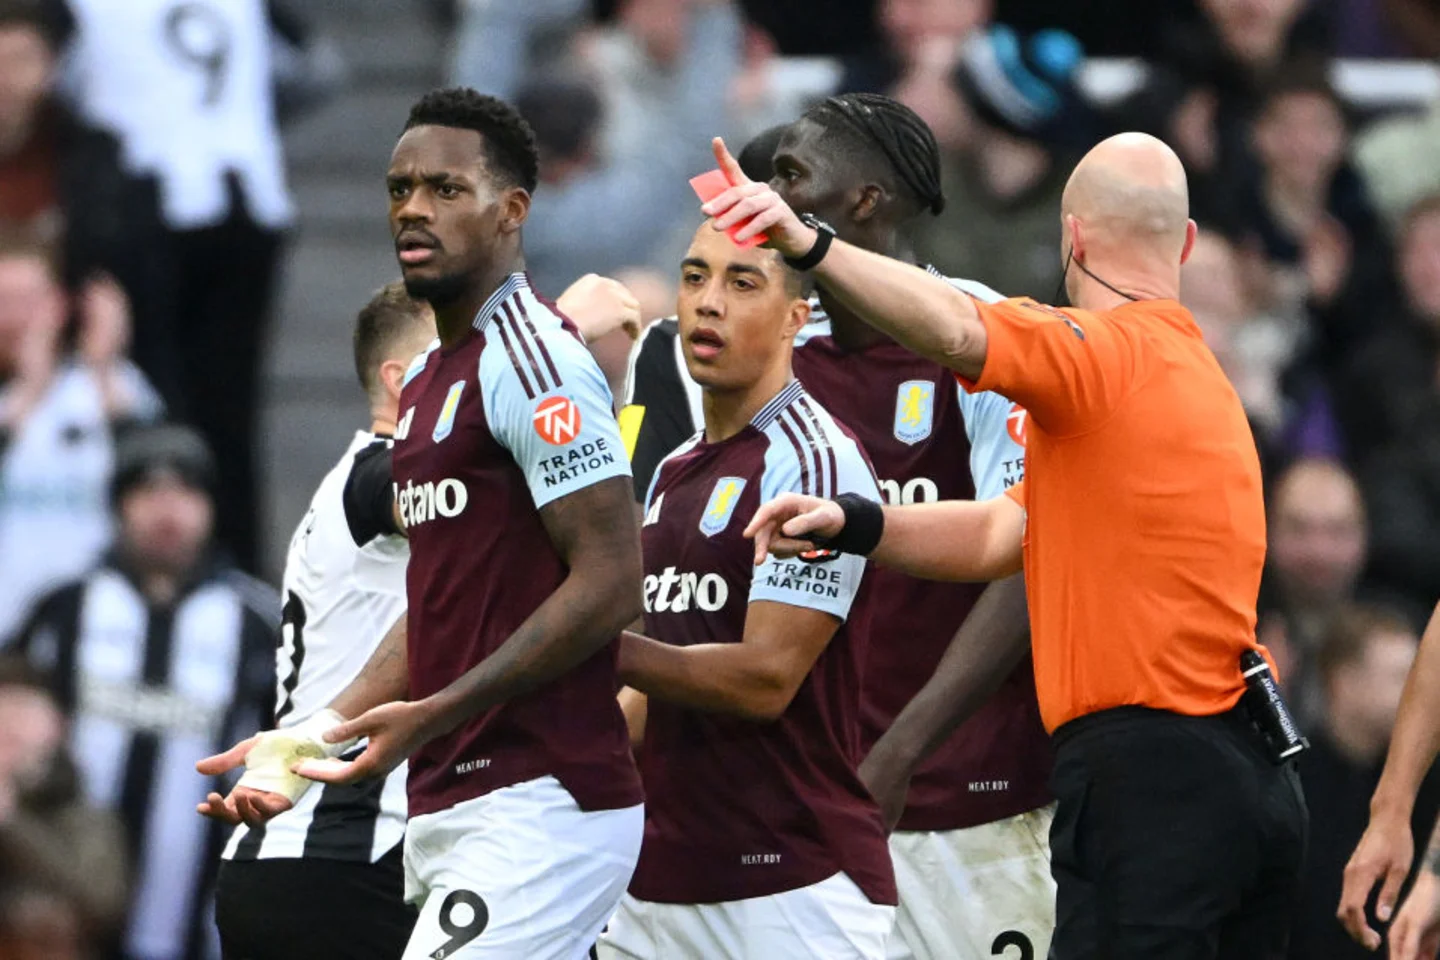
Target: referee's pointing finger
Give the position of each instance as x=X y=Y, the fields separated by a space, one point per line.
x=727 y=163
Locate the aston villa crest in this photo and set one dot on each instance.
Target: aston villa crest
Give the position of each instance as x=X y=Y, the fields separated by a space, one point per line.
x=721 y=506
x=914 y=411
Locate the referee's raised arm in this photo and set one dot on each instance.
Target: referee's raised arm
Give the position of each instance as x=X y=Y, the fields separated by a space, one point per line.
x=1180 y=828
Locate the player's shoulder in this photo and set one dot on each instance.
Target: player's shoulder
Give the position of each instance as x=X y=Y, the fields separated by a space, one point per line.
x=974 y=288
x=417 y=365
x=529 y=344
x=809 y=450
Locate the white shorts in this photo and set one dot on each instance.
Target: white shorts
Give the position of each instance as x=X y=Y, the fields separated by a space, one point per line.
x=975 y=892
x=829 y=920
x=521 y=874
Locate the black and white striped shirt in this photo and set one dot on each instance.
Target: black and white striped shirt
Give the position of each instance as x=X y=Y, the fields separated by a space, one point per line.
x=152 y=689
x=340 y=600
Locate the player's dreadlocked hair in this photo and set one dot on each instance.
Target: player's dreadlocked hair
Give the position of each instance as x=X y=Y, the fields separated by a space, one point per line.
x=509 y=141
x=886 y=133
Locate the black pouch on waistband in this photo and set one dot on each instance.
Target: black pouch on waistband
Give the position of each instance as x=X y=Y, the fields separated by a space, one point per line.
x=1267 y=709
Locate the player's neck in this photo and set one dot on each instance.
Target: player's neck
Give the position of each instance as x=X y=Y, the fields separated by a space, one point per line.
x=454 y=320
x=727 y=412
x=849 y=332
x=382 y=424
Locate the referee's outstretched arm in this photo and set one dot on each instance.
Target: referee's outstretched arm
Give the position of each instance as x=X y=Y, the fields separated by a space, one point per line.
x=956 y=540
x=1387 y=849
x=919 y=310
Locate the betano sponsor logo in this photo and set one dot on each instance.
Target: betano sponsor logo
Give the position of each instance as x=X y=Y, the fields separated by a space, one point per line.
x=674 y=592
x=423 y=502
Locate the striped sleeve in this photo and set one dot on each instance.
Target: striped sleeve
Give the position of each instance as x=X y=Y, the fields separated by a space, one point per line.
x=809 y=454
x=548 y=403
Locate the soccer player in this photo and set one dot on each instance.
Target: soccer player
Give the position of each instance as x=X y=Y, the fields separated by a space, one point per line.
x=325 y=876
x=760 y=840
x=524 y=802
x=970 y=852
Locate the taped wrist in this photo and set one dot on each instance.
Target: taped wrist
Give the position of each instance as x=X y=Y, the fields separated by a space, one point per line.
x=267 y=766
x=864 y=525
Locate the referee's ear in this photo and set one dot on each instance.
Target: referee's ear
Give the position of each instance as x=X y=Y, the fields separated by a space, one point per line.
x=514 y=209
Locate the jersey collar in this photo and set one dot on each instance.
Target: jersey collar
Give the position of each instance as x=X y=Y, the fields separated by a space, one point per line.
x=491 y=308
x=792 y=392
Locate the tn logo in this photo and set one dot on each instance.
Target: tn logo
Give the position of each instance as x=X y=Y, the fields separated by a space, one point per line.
x=557 y=420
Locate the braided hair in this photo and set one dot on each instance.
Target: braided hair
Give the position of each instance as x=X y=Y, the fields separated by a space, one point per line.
x=881 y=134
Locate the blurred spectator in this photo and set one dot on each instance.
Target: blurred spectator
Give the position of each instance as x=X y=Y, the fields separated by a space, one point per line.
x=1003 y=187
x=1317 y=530
x=919 y=44
x=1396 y=155
x=1310 y=217
x=47 y=832
x=39 y=923
x=1252 y=347
x=61 y=178
x=188 y=89
x=1363 y=663
x=601 y=209
x=663 y=71
x=497 y=43
x=59 y=410
x=1385 y=28
x=164 y=655
x=1397 y=376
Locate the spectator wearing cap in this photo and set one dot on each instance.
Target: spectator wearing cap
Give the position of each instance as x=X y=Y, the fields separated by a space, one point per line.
x=163 y=654
x=1003 y=185
x=59 y=412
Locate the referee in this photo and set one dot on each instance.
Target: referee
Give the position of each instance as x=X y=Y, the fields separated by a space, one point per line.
x=1181 y=827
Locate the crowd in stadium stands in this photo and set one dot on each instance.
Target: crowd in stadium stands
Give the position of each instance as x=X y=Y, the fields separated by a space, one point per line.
x=134 y=289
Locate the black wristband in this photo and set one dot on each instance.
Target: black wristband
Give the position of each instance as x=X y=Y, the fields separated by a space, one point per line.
x=824 y=234
x=864 y=525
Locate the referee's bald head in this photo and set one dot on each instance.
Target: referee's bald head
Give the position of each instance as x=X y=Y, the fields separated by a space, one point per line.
x=1125 y=221
x=1132 y=188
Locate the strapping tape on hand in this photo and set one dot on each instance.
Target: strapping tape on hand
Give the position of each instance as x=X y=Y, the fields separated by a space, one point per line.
x=267 y=766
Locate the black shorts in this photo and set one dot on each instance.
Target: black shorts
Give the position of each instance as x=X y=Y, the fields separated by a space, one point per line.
x=295 y=909
x=1175 y=838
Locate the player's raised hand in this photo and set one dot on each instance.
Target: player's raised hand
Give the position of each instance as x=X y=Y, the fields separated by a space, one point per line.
x=1415 y=935
x=781 y=526
x=244 y=804
x=758 y=208
x=1384 y=853
x=600 y=305
x=395 y=731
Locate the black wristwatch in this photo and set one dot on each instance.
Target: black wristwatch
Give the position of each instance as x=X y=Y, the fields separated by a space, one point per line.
x=824 y=233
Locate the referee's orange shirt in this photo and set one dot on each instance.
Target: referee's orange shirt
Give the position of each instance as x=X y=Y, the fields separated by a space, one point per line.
x=1145 y=529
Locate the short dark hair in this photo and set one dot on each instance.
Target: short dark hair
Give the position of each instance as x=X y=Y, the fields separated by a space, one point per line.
x=50 y=19
x=564 y=112
x=510 y=150
x=1347 y=639
x=887 y=142
x=757 y=158
x=1304 y=75
x=390 y=315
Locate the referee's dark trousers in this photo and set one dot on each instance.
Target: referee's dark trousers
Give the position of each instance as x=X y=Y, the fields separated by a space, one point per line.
x=1175 y=838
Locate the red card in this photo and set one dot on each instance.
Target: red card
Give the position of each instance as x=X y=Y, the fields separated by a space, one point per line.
x=710 y=185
